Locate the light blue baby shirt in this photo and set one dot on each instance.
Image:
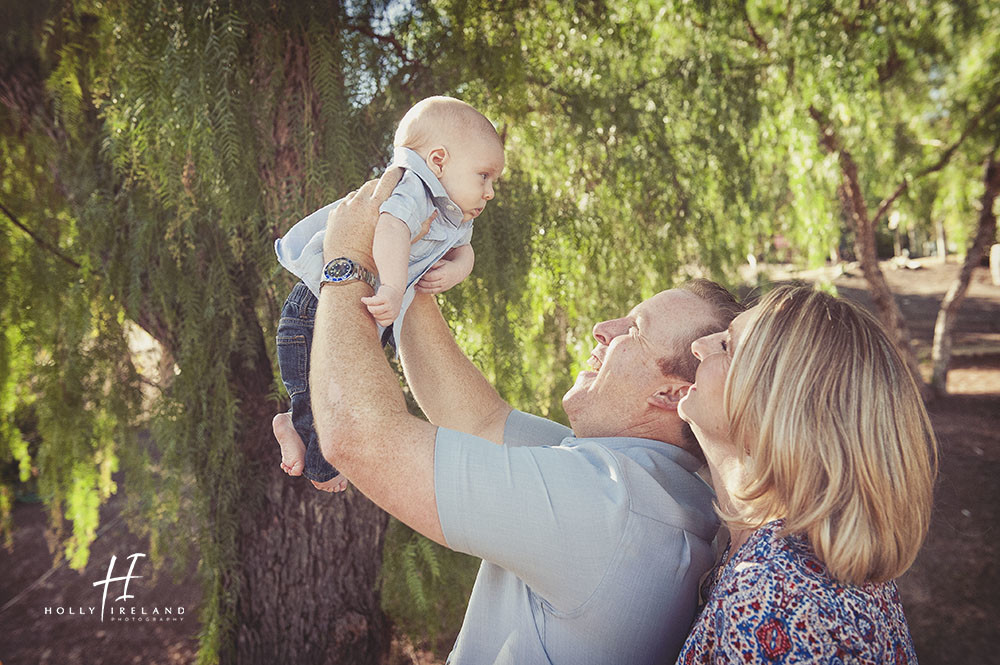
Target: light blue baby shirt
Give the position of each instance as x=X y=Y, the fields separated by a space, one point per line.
x=418 y=194
x=592 y=548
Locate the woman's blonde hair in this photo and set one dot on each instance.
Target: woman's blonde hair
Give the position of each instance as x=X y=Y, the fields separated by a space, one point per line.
x=837 y=438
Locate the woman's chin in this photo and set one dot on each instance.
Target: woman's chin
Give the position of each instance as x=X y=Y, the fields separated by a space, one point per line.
x=683 y=408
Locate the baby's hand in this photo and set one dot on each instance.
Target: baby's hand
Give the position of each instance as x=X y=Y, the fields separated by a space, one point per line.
x=384 y=305
x=442 y=276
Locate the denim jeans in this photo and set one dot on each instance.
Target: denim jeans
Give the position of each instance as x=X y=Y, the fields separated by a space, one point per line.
x=295 y=335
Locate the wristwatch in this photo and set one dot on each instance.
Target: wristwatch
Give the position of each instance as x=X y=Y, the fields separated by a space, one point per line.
x=342 y=270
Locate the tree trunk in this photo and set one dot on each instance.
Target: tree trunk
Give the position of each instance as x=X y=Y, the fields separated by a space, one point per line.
x=305 y=586
x=942 y=241
x=855 y=209
x=888 y=310
x=948 y=313
x=309 y=561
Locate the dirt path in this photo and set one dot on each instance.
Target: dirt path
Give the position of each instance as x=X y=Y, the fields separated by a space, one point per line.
x=951 y=595
x=54 y=615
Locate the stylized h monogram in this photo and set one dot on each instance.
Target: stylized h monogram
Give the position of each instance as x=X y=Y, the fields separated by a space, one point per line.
x=125 y=594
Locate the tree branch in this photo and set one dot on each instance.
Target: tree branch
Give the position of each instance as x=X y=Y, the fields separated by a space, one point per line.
x=146 y=320
x=759 y=41
x=41 y=242
x=385 y=39
x=940 y=163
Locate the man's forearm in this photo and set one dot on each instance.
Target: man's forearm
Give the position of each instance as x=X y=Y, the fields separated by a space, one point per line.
x=450 y=390
x=360 y=414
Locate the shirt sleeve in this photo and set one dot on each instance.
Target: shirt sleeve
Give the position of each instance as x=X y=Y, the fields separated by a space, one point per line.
x=525 y=429
x=536 y=511
x=409 y=202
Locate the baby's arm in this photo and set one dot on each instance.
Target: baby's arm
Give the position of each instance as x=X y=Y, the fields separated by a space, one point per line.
x=449 y=271
x=391 y=251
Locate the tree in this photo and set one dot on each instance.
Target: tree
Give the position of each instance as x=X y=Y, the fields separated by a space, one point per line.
x=152 y=151
x=986 y=231
x=873 y=79
x=178 y=139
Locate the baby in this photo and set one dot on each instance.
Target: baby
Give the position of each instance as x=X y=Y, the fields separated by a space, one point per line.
x=451 y=156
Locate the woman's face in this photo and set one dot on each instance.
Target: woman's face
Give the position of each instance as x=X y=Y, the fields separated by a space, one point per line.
x=702 y=407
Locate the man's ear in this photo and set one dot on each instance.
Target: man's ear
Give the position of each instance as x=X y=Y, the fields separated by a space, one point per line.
x=668 y=395
x=436 y=159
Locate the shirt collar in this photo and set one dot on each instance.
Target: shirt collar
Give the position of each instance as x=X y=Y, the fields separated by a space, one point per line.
x=673 y=452
x=409 y=159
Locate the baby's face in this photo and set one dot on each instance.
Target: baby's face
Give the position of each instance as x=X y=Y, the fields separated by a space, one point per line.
x=469 y=173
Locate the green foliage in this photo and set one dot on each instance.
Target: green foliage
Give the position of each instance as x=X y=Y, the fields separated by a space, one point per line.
x=155 y=149
x=183 y=151
x=898 y=83
x=425 y=587
x=66 y=376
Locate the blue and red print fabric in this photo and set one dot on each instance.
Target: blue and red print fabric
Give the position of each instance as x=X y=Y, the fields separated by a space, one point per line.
x=775 y=602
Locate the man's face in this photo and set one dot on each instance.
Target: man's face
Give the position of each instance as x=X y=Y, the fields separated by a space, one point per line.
x=627 y=393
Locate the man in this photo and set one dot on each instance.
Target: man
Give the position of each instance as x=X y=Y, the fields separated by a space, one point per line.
x=593 y=540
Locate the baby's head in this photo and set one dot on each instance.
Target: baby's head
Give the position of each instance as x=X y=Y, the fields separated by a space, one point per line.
x=460 y=146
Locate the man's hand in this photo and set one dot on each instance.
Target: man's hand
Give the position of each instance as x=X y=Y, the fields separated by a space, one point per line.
x=350 y=228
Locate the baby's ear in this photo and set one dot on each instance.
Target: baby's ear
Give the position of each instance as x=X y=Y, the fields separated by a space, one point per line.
x=669 y=395
x=436 y=159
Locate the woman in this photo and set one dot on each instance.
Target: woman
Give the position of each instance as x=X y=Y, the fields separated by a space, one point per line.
x=823 y=461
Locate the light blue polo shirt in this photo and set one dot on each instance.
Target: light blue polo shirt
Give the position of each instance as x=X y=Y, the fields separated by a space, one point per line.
x=592 y=548
x=418 y=194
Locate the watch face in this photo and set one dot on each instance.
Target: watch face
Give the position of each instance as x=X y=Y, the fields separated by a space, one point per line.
x=339 y=270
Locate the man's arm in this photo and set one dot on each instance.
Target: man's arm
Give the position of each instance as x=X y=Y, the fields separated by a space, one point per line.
x=452 y=392
x=358 y=407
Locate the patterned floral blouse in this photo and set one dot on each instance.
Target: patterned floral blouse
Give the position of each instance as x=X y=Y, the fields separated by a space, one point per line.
x=775 y=602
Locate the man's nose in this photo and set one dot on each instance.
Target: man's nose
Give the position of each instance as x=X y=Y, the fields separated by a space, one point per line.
x=605 y=331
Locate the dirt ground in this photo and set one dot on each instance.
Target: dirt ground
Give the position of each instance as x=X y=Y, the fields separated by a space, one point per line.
x=951 y=595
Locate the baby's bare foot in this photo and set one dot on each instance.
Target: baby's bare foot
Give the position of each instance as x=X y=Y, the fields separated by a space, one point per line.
x=336 y=484
x=293 y=451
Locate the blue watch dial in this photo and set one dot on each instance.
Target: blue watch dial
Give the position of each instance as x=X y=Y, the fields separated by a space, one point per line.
x=339 y=269
x=343 y=269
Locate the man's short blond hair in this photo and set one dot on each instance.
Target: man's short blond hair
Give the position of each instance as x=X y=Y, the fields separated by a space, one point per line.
x=837 y=438
x=435 y=119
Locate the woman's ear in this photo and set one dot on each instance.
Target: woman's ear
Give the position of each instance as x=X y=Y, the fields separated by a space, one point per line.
x=436 y=159
x=669 y=395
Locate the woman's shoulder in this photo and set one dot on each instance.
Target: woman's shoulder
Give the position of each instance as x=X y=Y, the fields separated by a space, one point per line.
x=787 y=565
x=778 y=586
x=770 y=553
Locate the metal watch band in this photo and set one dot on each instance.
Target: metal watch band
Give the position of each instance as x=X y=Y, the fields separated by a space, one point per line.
x=343 y=270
